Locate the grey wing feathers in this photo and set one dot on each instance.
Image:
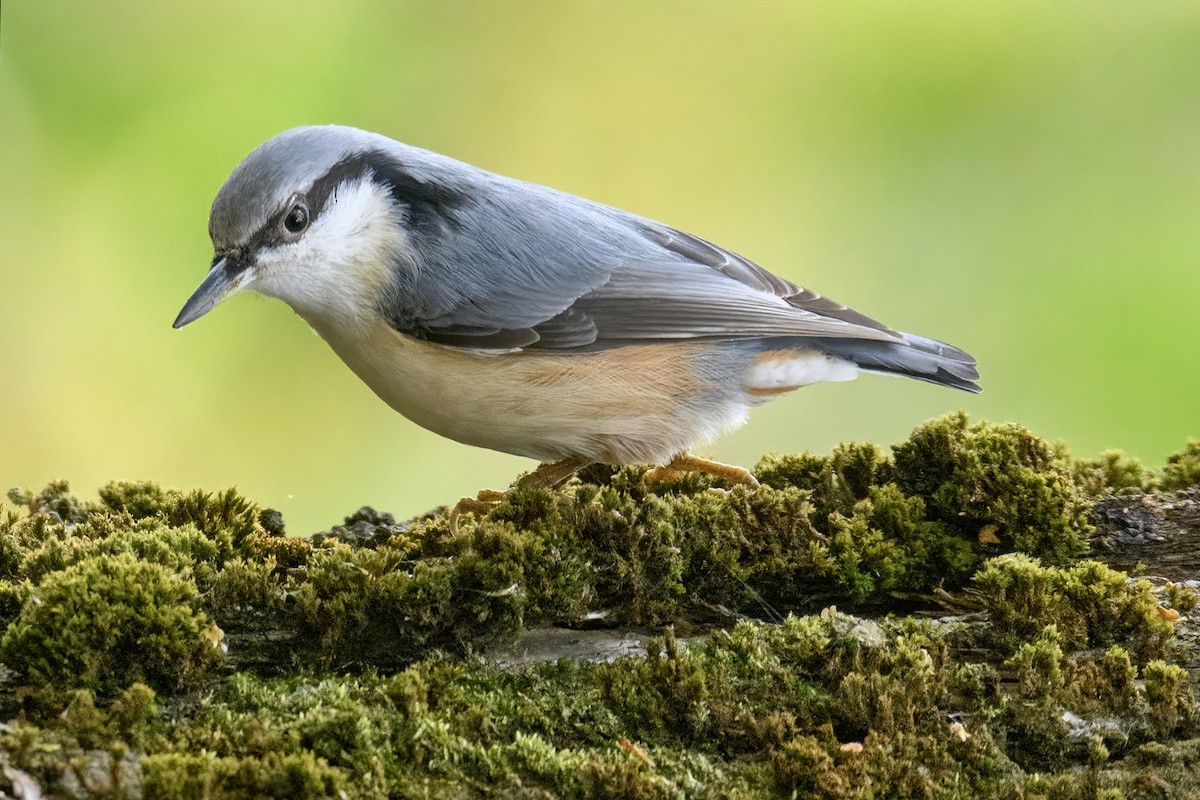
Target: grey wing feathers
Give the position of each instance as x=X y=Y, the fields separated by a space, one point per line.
x=569 y=274
x=898 y=354
x=695 y=249
x=521 y=266
x=688 y=301
x=747 y=272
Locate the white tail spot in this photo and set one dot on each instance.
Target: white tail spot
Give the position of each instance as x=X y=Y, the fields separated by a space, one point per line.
x=784 y=370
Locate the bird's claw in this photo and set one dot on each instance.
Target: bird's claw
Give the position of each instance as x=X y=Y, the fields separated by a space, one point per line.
x=480 y=505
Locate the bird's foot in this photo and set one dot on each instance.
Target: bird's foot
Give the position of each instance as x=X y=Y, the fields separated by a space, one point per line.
x=480 y=505
x=546 y=476
x=684 y=463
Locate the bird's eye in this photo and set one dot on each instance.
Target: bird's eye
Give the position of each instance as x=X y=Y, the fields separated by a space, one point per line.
x=296 y=220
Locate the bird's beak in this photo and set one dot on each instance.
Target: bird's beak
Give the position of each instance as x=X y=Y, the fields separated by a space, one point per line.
x=228 y=275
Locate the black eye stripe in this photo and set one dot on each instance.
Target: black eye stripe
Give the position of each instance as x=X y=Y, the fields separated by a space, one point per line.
x=430 y=205
x=346 y=170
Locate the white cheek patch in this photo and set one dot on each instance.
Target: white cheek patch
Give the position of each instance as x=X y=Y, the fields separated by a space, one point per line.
x=359 y=228
x=338 y=268
x=782 y=370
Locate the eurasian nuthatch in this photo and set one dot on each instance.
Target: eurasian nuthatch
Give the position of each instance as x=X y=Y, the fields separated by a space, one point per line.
x=507 y=315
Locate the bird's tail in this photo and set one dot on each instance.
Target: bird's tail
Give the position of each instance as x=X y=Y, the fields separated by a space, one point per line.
x=915 y=357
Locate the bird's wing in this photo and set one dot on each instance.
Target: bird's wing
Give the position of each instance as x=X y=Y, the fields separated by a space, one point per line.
x=649 y=283
x=709 y=292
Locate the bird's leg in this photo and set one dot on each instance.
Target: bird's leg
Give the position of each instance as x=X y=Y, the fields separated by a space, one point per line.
x=685 y=462
x=547 y=476
x=553 y=475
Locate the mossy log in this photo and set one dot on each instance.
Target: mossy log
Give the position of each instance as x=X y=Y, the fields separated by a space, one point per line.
x=1154 y=535
x=1017 y=628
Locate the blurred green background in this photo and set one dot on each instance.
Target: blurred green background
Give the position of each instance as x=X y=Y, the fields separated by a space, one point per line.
x=1019 y=178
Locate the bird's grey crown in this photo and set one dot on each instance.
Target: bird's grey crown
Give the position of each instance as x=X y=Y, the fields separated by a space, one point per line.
x=311 y=161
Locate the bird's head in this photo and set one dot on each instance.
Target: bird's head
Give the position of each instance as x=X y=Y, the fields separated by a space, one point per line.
x=320 y=217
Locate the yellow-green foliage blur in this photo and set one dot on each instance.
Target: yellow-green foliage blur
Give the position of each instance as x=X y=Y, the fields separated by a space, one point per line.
x=1019 y=178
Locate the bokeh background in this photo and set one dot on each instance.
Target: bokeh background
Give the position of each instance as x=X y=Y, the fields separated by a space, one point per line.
x=1020 y=178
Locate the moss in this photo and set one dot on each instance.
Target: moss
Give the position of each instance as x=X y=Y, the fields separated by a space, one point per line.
x=243 y=586
x=694 y=721
x=137 y=499
x=1168 y=692
x=827 y=706
x=441 y=591
x=1088 y=604
x=108 y=621
x=973 y=476
x=1039 y=666
x=949 y=496
x=1104 y=684
x=181 y=530
x=287 y=552
x=852 y=531
x=1183 y=469
x=54 y=501
x=352 y=667
x=225 y=517
x=126 y=722
x=183 y=550
x=1113 y=471
x=1181 y=598
x=836 y=482
x=182 y=776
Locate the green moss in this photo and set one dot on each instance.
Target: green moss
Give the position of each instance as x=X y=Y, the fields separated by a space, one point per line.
x=854 y=526
x=242 y=587
x=1088 y=605
x=973 y=476
x=1181 y=598
x=128 y=721
x=836 y=482
x=1113 y=471
x=180 y=776
x=696 y=721
x=433 y=589
x=350 y=670
x=137 y=499
x=225 y=517
x=831 y=705
x=1039 y=666
x=54 y=501
x=1168 y=692
x=181 y=530
x=1183 y=469
x=108 y=621
x=1103 y=684
x=183 y=550
x=930 y=514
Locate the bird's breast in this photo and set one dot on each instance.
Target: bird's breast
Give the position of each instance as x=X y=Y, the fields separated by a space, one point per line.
x=634 y=403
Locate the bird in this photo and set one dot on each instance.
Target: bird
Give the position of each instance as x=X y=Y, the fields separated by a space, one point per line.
x=512 y=316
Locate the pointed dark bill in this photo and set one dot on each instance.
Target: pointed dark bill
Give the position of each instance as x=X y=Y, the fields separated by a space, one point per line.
x=228 y=275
